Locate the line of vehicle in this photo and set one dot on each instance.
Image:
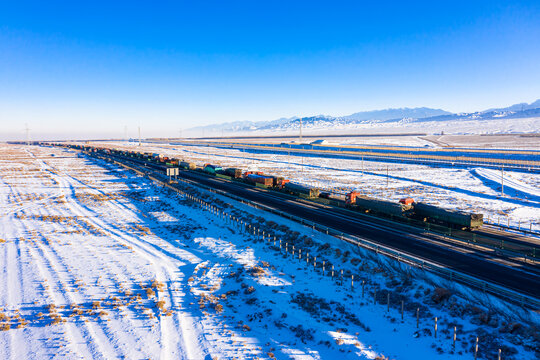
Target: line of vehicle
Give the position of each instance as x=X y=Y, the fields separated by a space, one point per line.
x=524 y=282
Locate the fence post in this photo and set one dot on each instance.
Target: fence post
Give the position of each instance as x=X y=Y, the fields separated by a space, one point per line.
x=476 y=349
x=417 y=317
x=435 y=333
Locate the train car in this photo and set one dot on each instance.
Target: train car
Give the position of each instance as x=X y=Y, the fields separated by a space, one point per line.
x=367 y=204
x=279 y=181
x=301 y=190
x=255 y=179
x=451 y=218
x=187 y=165
x=172 y=162
x=233 y=172
x=212 y=169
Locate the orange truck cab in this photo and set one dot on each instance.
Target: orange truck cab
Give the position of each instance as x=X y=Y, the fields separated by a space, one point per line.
x=350 y=198
x=407 y=201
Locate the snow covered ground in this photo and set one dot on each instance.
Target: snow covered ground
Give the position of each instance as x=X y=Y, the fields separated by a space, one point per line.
x=97 y=262
x=405 y=126
x=473 y=189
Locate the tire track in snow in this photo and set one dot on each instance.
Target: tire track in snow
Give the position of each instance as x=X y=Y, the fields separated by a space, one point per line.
x=162 y=265
x=53 y=276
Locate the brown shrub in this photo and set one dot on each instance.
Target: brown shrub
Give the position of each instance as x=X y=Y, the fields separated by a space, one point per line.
x=150 y=292
x=161 y=305
x=440 y=294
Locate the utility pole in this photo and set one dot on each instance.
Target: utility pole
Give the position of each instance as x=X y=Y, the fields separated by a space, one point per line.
x=27 y=134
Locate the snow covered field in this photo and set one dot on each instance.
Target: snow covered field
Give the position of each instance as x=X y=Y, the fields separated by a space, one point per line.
x=97 y=262
x=473 y=189
x=404 y=126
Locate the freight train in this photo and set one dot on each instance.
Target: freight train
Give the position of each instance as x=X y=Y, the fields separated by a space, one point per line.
x=406 y=208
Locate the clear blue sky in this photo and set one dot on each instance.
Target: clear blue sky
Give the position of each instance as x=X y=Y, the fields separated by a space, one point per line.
x=95 y=67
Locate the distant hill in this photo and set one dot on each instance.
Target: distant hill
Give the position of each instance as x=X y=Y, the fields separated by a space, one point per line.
x=403 y=115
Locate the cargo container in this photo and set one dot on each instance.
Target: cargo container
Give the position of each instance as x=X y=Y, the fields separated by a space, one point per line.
x=260 y=179
x=301 y=190
x=212 y=169
x=355 y=200
x=279 y=181
x=187 y=165
x=452 y=218
x=233 y=172
x=379 y=206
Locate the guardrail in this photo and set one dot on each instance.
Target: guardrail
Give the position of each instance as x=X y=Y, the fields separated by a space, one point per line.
x=426 y=265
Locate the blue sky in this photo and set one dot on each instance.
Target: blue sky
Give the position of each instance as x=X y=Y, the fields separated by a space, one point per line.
x=96 y=67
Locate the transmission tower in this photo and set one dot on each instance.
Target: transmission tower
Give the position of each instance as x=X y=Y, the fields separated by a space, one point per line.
x=27 y=130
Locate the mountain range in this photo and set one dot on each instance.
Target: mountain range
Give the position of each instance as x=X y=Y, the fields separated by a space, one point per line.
x=420 y=114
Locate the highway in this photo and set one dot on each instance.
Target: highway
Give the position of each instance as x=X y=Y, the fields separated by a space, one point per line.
x=509 y=159
x=484 y=264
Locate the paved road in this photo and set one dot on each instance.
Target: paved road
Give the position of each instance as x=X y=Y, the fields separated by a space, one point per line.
x=509 y=159
x=410 y=240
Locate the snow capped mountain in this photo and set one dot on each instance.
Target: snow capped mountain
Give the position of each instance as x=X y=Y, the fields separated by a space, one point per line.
x=400 y=115
x=392 y=114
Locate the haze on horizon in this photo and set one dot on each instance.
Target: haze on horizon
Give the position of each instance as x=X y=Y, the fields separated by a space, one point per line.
x=83 y=70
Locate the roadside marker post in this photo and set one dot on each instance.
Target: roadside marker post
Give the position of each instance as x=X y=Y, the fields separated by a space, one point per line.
x=454 y=343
